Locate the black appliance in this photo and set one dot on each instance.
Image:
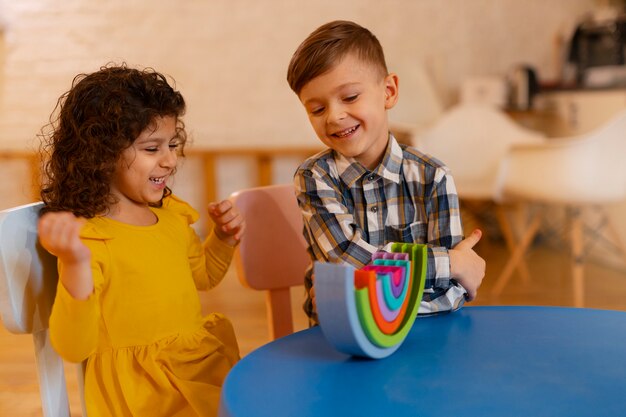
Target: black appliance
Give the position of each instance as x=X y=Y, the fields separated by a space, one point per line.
x=598 y=44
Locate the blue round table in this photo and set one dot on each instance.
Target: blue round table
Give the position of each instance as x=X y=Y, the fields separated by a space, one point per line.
x=478 y=361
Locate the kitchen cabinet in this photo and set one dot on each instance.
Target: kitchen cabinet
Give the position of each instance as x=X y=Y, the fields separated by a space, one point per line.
x=579 y=111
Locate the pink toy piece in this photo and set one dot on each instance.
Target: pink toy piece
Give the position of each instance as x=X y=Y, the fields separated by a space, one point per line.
x=397 y=278
x=398 y=281
x=387 y=314
x=390 y=255
x=396 y=275
x=379 y=255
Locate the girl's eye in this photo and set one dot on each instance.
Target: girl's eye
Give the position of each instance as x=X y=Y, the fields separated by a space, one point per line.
x=350 y=99
x=174 y=145
x=152 y=149
x=317 y=111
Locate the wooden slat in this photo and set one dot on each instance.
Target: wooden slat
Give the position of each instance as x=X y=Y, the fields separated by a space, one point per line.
x=264 y=158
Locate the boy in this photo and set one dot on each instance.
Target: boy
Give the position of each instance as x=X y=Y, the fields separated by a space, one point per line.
x=367 y=191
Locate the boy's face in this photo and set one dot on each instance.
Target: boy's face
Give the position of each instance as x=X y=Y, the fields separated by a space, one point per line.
x=347 y=107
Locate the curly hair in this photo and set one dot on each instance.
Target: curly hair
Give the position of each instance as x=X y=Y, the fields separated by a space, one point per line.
x=92 y=124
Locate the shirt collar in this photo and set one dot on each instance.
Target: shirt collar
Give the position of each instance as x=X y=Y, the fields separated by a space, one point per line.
x=350 y=170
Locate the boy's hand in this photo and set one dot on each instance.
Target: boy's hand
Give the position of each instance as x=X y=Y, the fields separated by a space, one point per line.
x=59 y=235
x=229 y=223
x=466 y=266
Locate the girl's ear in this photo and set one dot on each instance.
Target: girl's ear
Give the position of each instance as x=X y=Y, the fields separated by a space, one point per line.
x=391 y=90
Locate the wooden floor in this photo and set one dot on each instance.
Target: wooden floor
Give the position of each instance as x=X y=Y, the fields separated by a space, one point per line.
x=605 y=289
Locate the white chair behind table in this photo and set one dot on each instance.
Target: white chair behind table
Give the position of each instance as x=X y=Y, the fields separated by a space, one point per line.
x=472 y=140
x=578 y=173
x=272 y=254
x=28 y=279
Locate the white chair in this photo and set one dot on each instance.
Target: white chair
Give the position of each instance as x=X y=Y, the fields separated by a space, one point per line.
x=28 y=279
x=578 y=173
x=272 y=254
x=472 y=140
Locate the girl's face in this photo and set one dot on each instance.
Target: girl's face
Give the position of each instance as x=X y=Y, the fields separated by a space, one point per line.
x=144 y=168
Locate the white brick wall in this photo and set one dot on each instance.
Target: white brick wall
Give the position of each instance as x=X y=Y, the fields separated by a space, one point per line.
x=229 y=57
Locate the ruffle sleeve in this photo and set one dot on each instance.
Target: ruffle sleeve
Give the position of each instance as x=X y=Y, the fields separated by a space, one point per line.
x=178 y=206
x=74 y=323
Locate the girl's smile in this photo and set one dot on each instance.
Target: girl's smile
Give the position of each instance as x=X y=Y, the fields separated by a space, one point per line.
x=160 y=182
x=143 y=171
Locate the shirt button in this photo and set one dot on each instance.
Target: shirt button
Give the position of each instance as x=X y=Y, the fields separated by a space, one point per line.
x=374 y=209
x=371 y=178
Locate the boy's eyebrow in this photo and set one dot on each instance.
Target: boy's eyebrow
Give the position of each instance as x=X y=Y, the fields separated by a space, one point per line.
x=338 y=88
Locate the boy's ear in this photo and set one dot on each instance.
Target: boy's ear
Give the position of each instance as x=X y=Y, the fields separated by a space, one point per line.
x=391 y=90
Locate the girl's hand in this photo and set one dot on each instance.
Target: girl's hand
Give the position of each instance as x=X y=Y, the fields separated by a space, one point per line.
x=229 y=223
x=59 y=235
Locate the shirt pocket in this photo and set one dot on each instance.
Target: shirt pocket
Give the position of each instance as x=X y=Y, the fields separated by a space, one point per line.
x=413 y=233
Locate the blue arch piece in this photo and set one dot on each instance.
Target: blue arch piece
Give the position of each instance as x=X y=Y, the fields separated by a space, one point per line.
x=337 y=312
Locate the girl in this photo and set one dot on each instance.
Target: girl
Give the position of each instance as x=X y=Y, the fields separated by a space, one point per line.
x=129 y=262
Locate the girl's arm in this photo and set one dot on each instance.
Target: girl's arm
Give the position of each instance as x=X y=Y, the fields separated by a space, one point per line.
x=74 y=317
x=59 y=235
x=210 y=261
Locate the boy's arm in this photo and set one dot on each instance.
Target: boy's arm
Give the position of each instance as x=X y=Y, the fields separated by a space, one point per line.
x=466 y=266
x=452 y=257
x=330 y=228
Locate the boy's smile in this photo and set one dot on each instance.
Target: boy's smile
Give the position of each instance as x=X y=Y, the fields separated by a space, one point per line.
x=347 y=132
x=347 y=109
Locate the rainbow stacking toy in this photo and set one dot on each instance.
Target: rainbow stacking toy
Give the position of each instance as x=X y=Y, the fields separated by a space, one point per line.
x=369 y=311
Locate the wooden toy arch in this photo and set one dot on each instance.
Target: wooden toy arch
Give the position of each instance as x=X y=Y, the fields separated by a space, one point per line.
x=368 y=312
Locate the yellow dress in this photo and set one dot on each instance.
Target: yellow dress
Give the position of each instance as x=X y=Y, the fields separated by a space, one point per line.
x=149 y=351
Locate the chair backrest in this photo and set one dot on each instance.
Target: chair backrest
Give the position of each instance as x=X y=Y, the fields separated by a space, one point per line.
x=472 y=139
x=272 y=254
x=582 y=169
x=609 y=146
x=28 y=280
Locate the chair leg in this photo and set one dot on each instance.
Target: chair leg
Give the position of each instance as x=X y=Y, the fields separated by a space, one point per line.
x=80 y=372
x=577 y=258
x=279 y=318
x=51 y=375
x=615 y=235
x=507 y=233
x=516 y=257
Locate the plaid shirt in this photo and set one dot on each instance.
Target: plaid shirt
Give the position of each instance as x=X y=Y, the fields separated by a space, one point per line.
x=349 y=213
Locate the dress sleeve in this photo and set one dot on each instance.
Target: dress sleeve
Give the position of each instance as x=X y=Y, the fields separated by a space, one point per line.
x=218 y=257
x=74 y=323
x=209 y=260
x=330 y=229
